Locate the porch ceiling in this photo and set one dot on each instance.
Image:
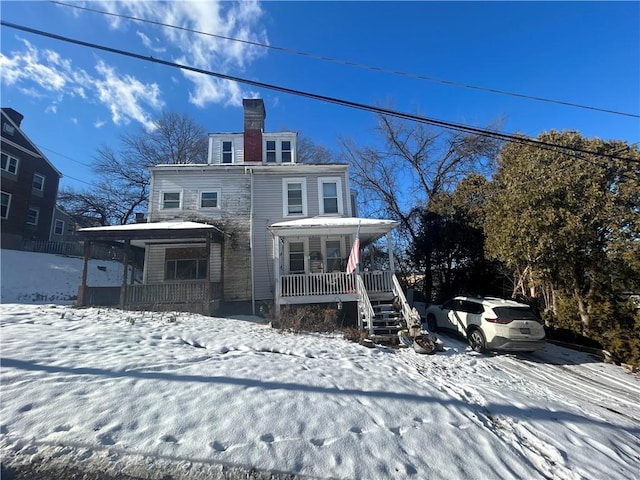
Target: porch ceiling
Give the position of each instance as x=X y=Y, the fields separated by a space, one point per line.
x=370 y=228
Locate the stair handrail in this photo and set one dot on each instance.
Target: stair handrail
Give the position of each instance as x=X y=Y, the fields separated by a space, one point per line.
x=364 y=305
x=406 y=308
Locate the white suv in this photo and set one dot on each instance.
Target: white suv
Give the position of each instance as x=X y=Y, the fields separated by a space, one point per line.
x=489 y=323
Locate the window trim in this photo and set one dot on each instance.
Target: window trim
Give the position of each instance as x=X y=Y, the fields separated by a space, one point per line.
x=287 y=255
x=41 y=189
x=285 y=196
x=267 y=151
x=7 y=166
x=340 y=206
x=8 y=129
x=33 y=209
x=162 y=200
x=325 y=256
x=223 y=151
x=55 y=227
x=8 y=205
x=201 y=192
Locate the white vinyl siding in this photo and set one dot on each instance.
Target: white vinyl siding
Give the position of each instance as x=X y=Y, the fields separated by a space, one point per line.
x=219 y=148
x=279 y=147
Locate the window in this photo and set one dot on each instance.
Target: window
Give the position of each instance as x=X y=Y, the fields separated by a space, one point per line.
x=227 y=152
x=9 y=163
x=294 y=193
x=38 y=181
x=171 y=200
x=333 y=255
x=8 y=128
x=296 y=257
x=5 y=204
x=185 y=263
x=32 y=216
x=329 y=196
x=271 y=151
x=286 y=152
x=58 y=228
x=209 y=200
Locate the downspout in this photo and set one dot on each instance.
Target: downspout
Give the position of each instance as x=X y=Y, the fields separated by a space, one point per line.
x=253 y=281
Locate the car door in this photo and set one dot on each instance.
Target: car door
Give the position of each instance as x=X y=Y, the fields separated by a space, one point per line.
x=456 y=317
x=445 y=319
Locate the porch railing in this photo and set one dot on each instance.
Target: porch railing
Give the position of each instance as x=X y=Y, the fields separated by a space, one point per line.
x=333 y=283
x=365 y=309
x=178 y=292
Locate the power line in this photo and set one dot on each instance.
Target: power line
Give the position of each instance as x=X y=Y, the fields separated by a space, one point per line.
x=64 y=156
x=354 y=64
x=347 y=103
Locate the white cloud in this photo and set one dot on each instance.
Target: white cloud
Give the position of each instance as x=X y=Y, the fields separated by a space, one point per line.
x=228 y=19
x=99 y=123
x=148 y=43
x=44 y=74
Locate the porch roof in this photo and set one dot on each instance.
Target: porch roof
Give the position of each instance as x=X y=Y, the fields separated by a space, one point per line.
x=149 y=231
x=370 y=228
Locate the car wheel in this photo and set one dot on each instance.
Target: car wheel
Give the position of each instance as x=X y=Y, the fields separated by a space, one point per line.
x=432 y=325
x=477 y=341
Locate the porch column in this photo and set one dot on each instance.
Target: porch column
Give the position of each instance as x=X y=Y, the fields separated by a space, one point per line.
x=85 y=267
x=123 y=285
x=207 y=286
x=276 y=270
x=392 y=266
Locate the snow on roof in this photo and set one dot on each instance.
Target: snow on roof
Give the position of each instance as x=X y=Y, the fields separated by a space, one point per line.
x=334 y=222
x=131 y=227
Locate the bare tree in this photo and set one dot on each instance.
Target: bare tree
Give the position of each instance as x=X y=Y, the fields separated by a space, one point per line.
x=122 y=176
x=414 y=164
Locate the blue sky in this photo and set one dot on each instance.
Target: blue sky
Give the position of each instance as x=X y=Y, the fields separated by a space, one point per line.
x=75 y=99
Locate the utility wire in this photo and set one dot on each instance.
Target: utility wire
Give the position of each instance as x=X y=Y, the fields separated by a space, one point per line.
x=361 y=106
x=353 y=64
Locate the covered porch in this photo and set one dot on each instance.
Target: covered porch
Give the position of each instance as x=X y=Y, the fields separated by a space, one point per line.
x=182 y=281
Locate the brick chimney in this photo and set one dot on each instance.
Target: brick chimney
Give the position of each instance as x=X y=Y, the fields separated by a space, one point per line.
x=15 y=116
x=254 y=115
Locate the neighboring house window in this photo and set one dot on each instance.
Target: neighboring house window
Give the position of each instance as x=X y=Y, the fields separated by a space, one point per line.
x=286 y=151
x=227 y=152
x=294 y=192
x=32 y=216
x=296 y=257
x=185 y=263
x=9 y=163
x=171 y=200
x=333 y=255
x=271 y=151
x=209 y=200
x=38 y=181
x=330 y=198
x=5 y=205
x=58 y=228
x=8 y=128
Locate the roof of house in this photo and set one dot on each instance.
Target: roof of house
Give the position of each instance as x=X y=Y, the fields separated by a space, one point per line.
x=369 y=228
x=151 y=230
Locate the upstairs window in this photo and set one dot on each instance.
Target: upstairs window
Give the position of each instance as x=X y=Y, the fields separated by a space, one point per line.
x=9 y=163
x=209 y=200
x=171 y=200
x=5 y=204
x=38 y=181
x=58 y=228
x=329 y=196
x=227 y=152
x=32 y=216
x=271 y=151
x=294 y=193
x=8 y=128
x=286 y=151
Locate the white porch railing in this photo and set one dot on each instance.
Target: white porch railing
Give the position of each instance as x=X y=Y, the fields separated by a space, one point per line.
x=333 y=283
x=406 y=309
x=365 y=309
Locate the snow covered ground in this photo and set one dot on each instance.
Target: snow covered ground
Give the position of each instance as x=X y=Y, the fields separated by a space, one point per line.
x=194 y=397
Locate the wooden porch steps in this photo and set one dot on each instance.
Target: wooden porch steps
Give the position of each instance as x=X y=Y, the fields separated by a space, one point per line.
x=387 y=322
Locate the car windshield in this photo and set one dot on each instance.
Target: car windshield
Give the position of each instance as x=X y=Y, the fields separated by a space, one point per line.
x=515 y=313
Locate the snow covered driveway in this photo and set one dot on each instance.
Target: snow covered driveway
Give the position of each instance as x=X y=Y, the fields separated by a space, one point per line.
x=190 y=396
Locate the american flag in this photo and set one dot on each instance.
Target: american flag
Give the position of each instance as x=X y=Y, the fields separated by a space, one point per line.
x=354 y=256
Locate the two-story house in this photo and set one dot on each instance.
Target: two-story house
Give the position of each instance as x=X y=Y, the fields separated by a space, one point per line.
x=29 y=186
x=281 y=230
